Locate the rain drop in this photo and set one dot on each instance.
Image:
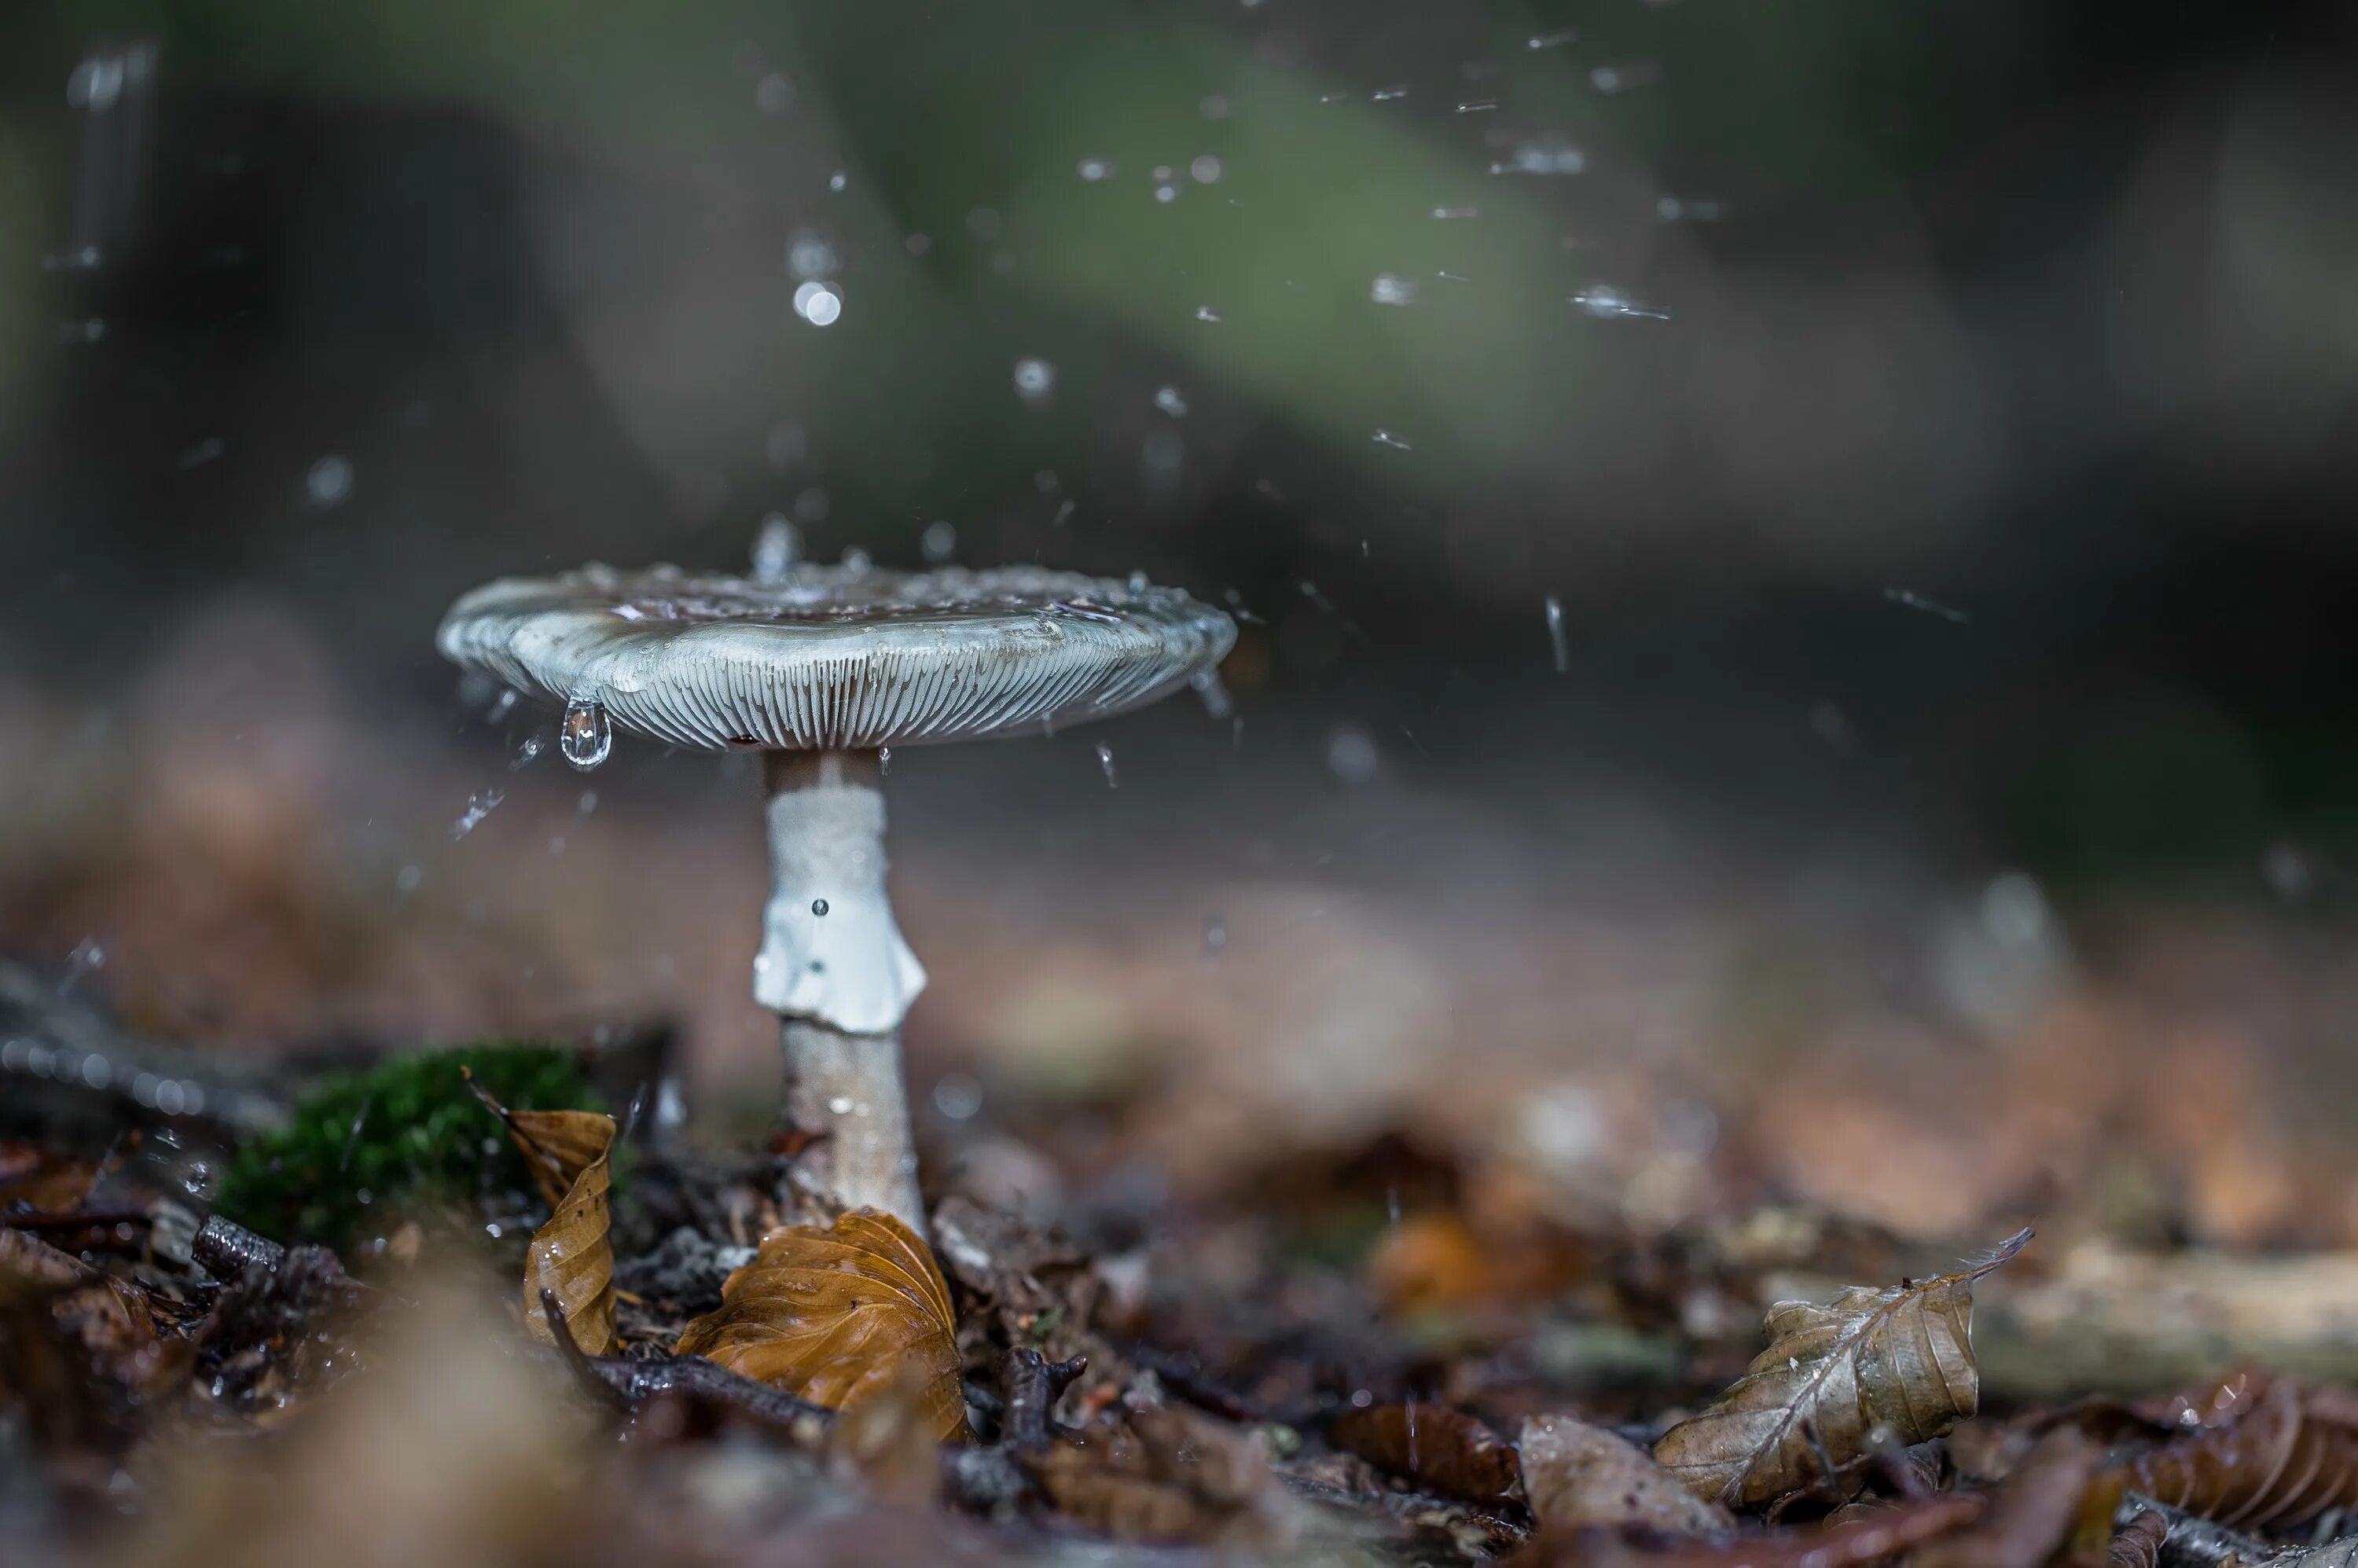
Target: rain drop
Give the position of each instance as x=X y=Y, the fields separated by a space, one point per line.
x=588 y=734
x=1386 y=438
x=885 y=760
x=818 y=303
x=1105 y=761
x=1216 y=703
x=1206 y=313
x=1172 y=401
x=1391 y=288
x=818 y=907
x=330 y=483
x=1555 y=633
x=1035 y=380
x=773 y=549
x=939 y=543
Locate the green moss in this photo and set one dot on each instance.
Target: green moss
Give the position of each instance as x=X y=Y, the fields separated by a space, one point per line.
x=423 y=1145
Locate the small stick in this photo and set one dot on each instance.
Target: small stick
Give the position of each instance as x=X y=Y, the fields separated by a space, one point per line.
x=584 y=1369
x=2193 y=1541
x=226 y=1250
x=1034 y=1384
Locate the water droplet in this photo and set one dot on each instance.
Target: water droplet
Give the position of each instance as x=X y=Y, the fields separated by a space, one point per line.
x=589 y=801
x=330 y=483
x=502 y=705
x=885 y=760
x=1451 y=214
x=1206 y=313
x=1607 y=303
x=1105 y=761
x=1386 y=95
x=1138 y=583
x=1216 y=703
x=1035 y=380
x=1391 y=288
x=1166 y=193
x=957 y=1096
x=811 y=255
x=527 y=751
x=588 y=735
x=855 y=559
x=840 y=1105
x=406 y=879
x=1551 y=40
x=1351 y=754
x=939 y=541
x=1555 y=633
x=774 y=549
x=818 y=907
x=820 y=304
x=1215 y=937
x=838 y=180
x=1205 y=170
x=774 y=93
x=1386 y=438
x=1610 y=78
x=1096 y=169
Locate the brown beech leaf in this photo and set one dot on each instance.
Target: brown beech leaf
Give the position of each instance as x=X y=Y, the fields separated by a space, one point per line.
x=1577 y=1477
x=572 y=1255
x=834 y=1315
x=1444 y=1450
x=2261 y=1454
x=1801 y=1415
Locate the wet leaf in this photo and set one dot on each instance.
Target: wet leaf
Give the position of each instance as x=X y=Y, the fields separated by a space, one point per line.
x=1577 y=1477
x=1802 y=1416
x=2263 y=1455
x=1442 y=1450
x=833 y=1315
x=572 y=1254
x=2338 y=1554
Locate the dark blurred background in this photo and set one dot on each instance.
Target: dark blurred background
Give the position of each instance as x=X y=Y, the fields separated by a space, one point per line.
x=1794 y=553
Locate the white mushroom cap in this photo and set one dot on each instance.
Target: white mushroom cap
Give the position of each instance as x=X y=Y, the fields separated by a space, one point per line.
x=838 y=657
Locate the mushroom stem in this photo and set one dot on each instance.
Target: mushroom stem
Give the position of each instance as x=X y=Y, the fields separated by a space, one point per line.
x=834 y=967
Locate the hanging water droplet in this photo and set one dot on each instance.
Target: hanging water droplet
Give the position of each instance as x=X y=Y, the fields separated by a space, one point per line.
x=588 y=734
x=885 y=760
x=1555 y=633
x=818 y=907
x=1105 y=761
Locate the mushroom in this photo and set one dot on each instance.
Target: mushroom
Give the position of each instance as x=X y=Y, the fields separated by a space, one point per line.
x=823 y=669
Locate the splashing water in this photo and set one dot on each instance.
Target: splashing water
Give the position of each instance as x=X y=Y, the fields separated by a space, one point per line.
x=478 y=807
x=1556 y=634
x=1206 y=313
x=1608 y=303
x=588 y=735
x=1105 y=763
x=1915 y=600
x=1386 y=438
x=527 y=751
x=1391 y=288
x=774 y=549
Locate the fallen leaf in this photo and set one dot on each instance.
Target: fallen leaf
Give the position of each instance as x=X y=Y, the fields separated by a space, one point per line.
x=34 y=1180
x=2261 y=1454
x=1444 y=1450
x=2032 y=1513
x=1871 y=1536
x=572 y=1254
x=2339 y=1554
x=1168 y=1475
x=1577 y=1476
x=1801 y=1415
x=833 y=1314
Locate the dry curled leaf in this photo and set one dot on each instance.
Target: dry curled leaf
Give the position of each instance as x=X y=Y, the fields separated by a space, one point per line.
x=834 y=1315
x=1806 y=1413
x=1442 y=1449
x=571 y=1255
x=1579 y=1477
x=2256 y=1452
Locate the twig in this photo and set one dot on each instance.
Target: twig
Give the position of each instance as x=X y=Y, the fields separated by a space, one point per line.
x=2193 y=1541
x=226 y=1250
x=584 y=1369
x=1034 y=1384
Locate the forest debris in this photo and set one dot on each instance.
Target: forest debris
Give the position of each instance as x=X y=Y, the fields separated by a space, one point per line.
x=831 y=1315
x=1869 y=1536
x=889 y=1441
x=2338 y=1553
x=1577 y=1477
x=573 y=1254
x=1804 y=1415
x=2137 y=1543
x=1033 y=1385
x=1444 y=1450
x=1167 y=1475
x=2261 y=1454
x=34 y=1181
x=226 y=1250
x=2033 y=1512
